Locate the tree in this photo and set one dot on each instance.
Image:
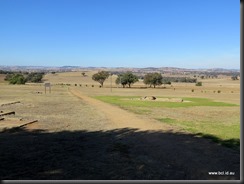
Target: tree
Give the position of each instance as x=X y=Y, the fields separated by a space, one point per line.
x=148 y=79
x=17 y=79
x=154 y=79
x=83 y=74
x=34 y=77
x=166 y=82
x=234 y=77
x=127 y=78
x=199 y=84
x=121 y=80
x=100 y=77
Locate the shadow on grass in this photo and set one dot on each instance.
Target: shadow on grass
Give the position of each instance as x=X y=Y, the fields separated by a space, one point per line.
x=231 y=143
x=119 y=154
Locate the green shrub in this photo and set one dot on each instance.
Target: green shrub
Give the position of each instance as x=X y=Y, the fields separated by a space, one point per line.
x=17 y=79
x=34 y=77
x=199 y=84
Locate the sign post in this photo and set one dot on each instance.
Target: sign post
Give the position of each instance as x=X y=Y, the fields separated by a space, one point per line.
x=49 y=86
x=111 y=82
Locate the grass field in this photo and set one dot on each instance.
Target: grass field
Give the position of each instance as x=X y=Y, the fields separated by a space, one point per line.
x=125 y=101
x=218 y=121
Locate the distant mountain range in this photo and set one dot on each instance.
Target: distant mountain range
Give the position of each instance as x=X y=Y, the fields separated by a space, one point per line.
x=146 y=69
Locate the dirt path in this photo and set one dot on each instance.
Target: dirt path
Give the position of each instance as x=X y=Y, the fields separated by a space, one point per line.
x=120 y=118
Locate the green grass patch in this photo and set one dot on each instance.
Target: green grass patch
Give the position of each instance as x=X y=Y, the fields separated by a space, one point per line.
x=227 y=135
x=125 y=101
x=168 y=120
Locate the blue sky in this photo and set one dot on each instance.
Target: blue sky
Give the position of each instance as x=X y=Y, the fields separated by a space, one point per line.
x=121 y=33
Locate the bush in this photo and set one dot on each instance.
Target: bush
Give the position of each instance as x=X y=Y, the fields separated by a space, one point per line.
x=234 y=77
x=75 y=84
x=192 y=90
x=17 y=79
x=219 y=91
x=199 y=84
x=34 y=77
x=178 y=79
x=92 y=85
x=23 y=77
x=83 y=74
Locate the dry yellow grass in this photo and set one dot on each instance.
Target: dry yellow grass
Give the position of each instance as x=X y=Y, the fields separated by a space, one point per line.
x=57 y=110
x=230 y=90
x=2 y=76
x=71 y=78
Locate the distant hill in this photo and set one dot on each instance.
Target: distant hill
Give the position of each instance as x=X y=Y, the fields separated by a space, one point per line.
x=119 y=69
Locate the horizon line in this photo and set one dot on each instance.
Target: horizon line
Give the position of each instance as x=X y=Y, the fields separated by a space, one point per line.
x=116 y=67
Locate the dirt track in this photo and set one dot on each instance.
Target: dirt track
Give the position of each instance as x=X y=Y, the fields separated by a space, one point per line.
x=120 y=118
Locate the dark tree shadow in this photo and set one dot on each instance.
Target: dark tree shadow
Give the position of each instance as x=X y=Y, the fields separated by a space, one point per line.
x=231 y=143
x=120 y=154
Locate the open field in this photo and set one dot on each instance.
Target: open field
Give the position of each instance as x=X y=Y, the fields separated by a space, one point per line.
x=229 y=89
x=102 y=133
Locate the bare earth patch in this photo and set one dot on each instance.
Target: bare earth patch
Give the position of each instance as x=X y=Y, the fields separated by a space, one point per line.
x=156 y=99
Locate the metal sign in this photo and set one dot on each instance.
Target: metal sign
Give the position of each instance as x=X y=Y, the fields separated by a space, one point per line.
x=47 y=85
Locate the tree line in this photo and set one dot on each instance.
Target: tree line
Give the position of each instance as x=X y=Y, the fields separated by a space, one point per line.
x=22 y=78
x=151 y=79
